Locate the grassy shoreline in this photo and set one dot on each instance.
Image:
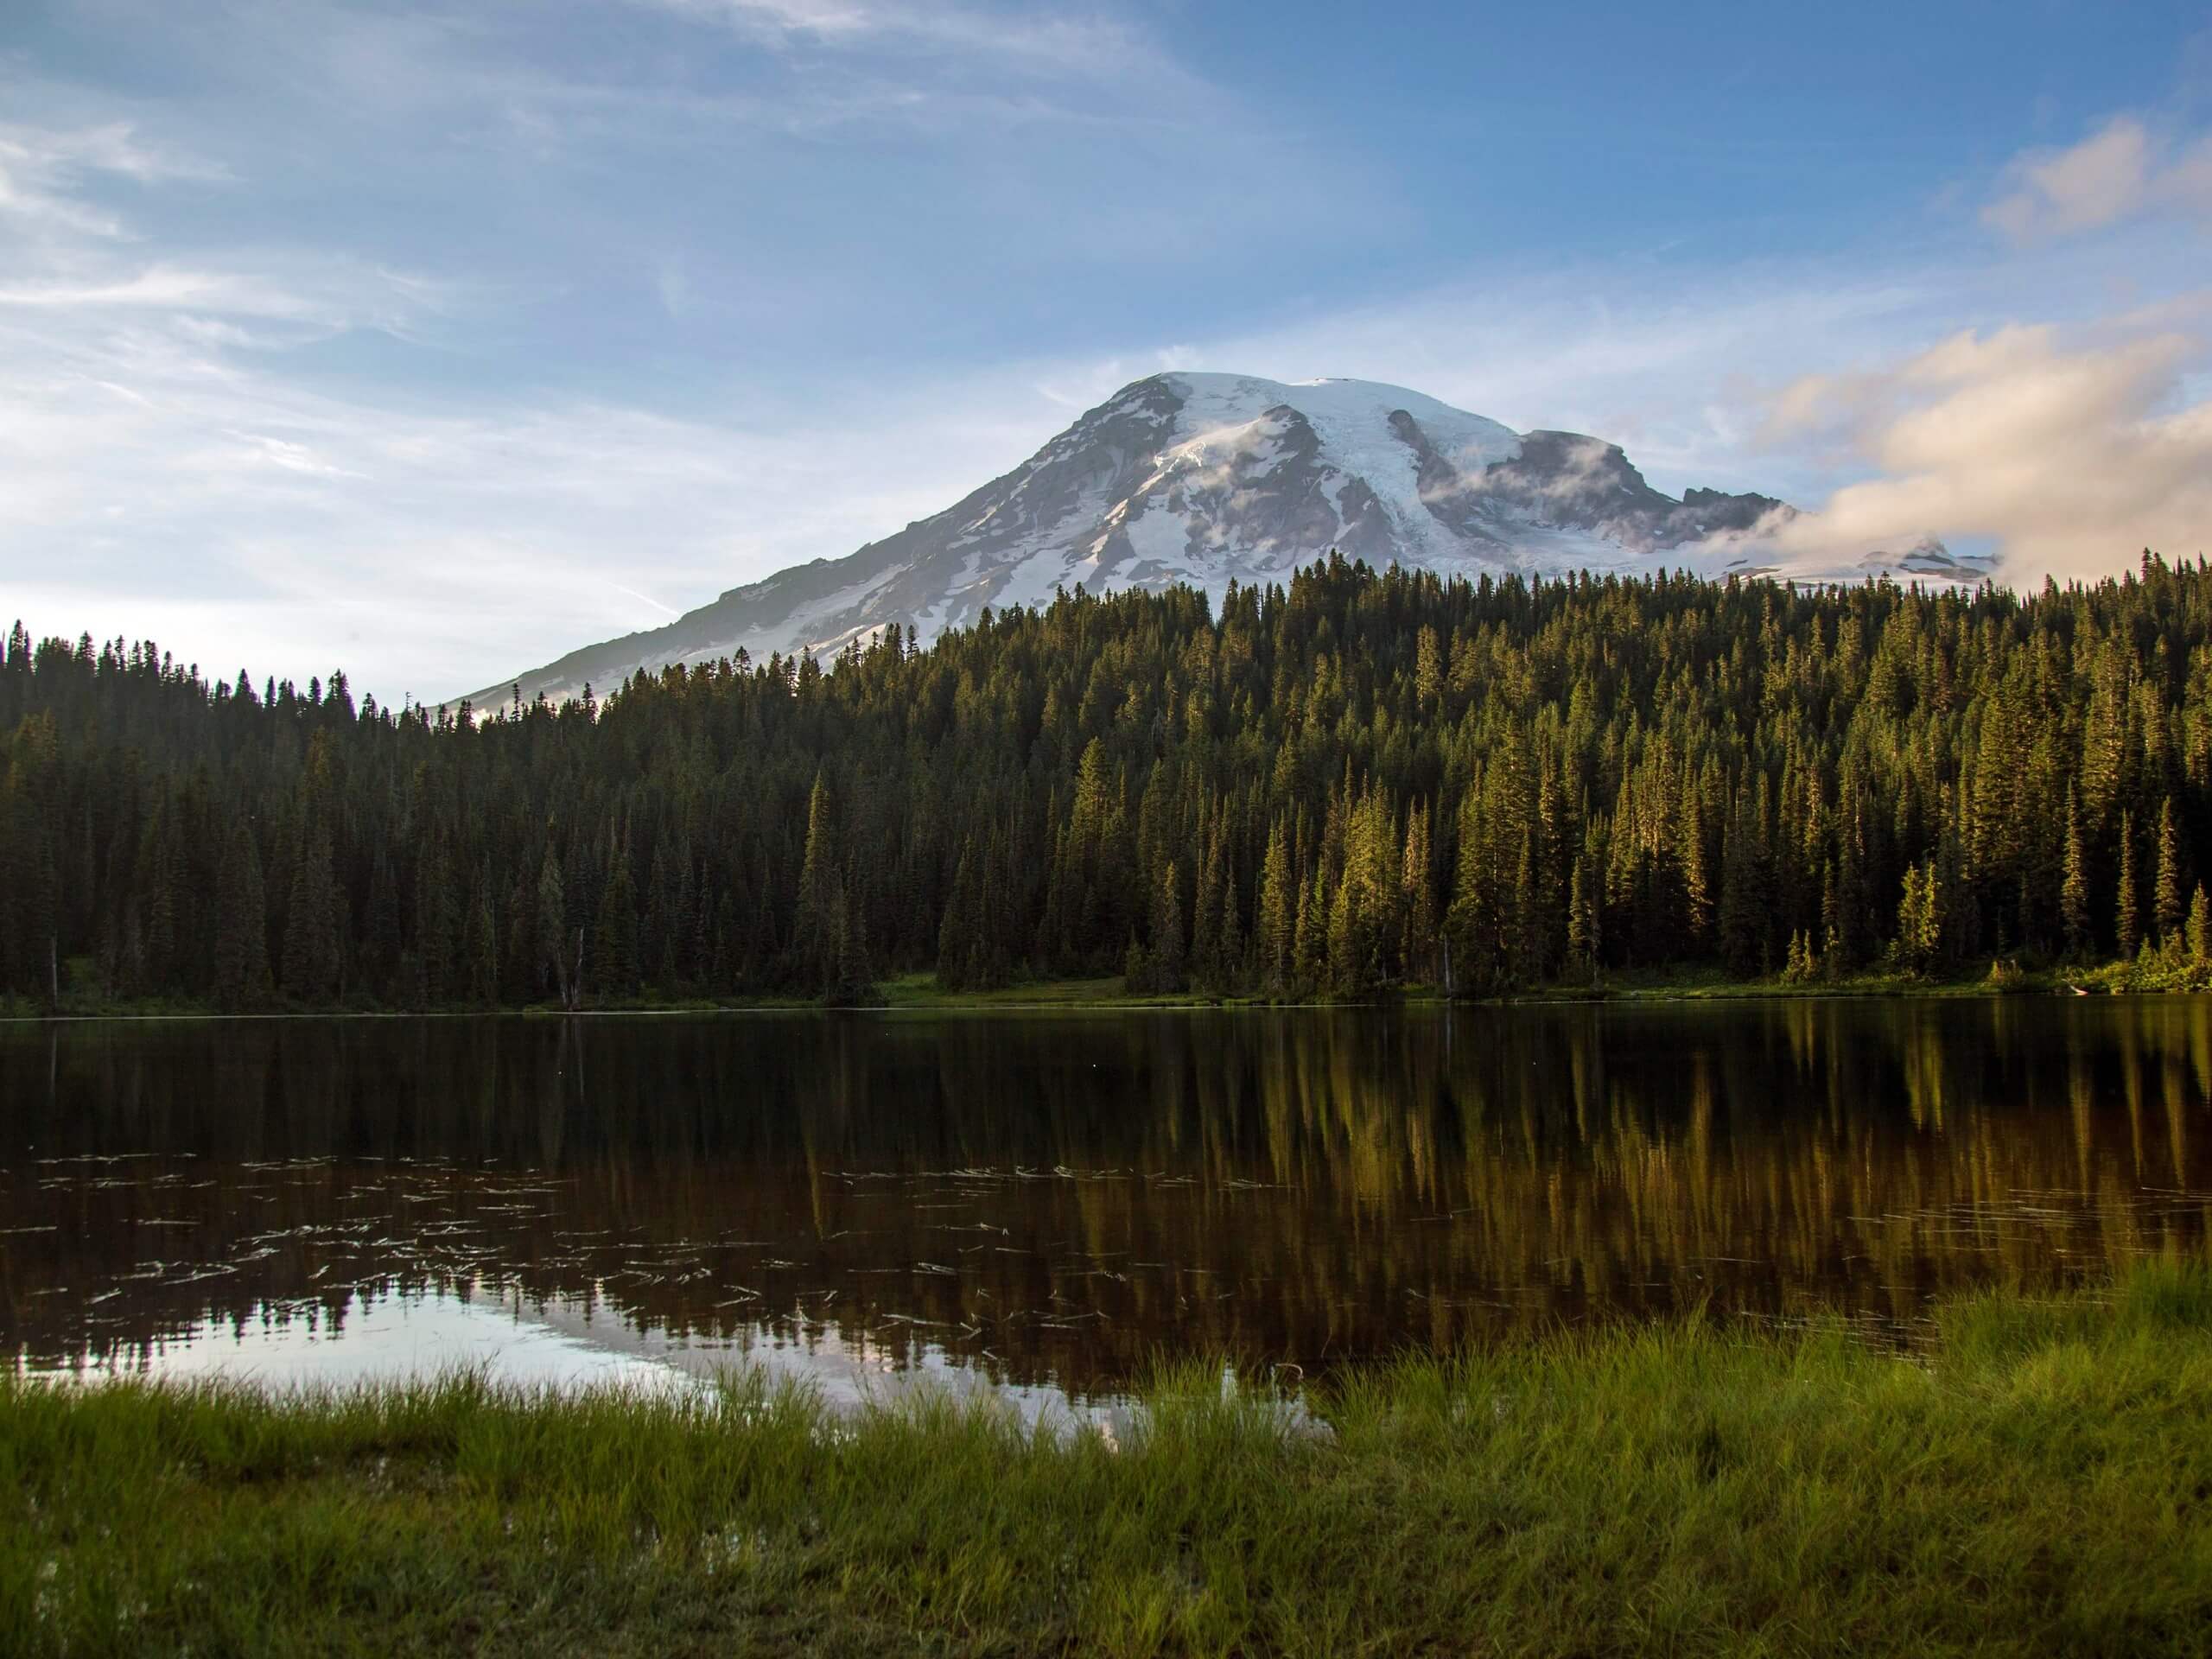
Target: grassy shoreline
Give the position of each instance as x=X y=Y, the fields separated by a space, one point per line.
x=2036 y=1477
x=919 y=993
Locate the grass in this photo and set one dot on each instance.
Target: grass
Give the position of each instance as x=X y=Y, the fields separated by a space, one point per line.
x=2037 y=1478
x=2150 y=972
x=922 y=991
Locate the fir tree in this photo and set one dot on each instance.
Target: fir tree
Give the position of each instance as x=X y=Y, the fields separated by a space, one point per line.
x=1164 y=957
x=2073 y=890
x=2167 y=911
x=821 y=895
x=311 y=923
x=241 y=926
x=615 y=932
x=1276 y=929
x=1920 y=917
x=2127 y=912
x=552 y=931
x=480 y=946
x=380 y=941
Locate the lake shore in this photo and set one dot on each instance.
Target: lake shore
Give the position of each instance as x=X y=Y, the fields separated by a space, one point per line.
x=920 y=993
x=2030 y=1477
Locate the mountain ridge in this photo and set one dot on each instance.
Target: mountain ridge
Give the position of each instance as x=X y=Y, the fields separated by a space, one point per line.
x=1213 y=478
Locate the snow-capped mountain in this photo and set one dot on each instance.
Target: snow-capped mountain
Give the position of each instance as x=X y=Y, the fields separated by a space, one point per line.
x=1207 y=478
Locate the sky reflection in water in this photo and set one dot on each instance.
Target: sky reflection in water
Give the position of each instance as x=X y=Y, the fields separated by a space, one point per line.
x=1049 y=1202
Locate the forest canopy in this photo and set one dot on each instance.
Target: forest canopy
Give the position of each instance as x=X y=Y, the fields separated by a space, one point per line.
x=1357 y=781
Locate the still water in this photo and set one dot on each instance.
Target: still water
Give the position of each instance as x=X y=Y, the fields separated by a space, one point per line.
x=1048 y=1203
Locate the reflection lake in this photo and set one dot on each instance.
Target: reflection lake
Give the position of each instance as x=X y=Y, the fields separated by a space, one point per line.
x=1050 y=1201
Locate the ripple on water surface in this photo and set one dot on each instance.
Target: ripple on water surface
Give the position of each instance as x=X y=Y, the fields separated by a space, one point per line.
x=1048 y=1204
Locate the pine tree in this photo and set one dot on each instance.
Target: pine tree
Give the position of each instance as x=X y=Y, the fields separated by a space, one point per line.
x=311 y=926
x=480 y=947
x=852 y=978
x=2127 y=912
x=1697 y=892
x=1276 y=933
x=1582 y=926
x=2167 y=911
x=1920 y=917
x=552 y=931
x=1229 y=944
x=241 y=926
x=2200 y=930
x=615 y=932
x=1310 y=963
x=1165 y=956
x=380 y=934
x=958 y=946
x=2073 y=890
x=1418 y=897
x=820 y=894
x=1745 y=905
x=437 y=943
x=1206 y=918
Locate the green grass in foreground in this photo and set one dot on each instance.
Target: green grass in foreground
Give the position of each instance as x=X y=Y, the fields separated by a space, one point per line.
x=2037 y=1480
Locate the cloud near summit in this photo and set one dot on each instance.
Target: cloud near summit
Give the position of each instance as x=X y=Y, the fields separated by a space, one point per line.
x=2065 y=448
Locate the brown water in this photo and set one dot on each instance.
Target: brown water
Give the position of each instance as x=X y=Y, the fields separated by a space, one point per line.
x=1051 y=1201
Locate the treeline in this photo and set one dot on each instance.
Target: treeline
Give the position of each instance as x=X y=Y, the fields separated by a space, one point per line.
x=1355 y=782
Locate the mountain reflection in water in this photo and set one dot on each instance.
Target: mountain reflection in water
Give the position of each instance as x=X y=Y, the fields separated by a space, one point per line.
x=1063 y=1198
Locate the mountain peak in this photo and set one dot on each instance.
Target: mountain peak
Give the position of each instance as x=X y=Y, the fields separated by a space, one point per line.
x=1210 y=478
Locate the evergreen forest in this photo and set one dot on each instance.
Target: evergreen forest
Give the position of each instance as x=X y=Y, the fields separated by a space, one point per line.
x=1349 y=784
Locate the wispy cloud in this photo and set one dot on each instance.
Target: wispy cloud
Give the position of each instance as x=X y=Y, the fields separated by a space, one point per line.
x=166 y=468
x=41 y=172
x=1088 y=46
x=2120 y=172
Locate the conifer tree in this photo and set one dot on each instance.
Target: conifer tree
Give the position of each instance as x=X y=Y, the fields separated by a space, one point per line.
x=480 y=943
x=1165 y=955
x=1582 y=926
x=2167 y=911
x=436 y=940
x=552 y=931
x=241 y=925
x=311 y=924
x=1229 y=972
x=958 y=942
x=821 y=895
x=614 y=931
x=2128 y=911
x=1920 y=917
x=1312 y=945
x=2073 y=890
x=1418 y=897
x=1276 y=929
x=380 y=941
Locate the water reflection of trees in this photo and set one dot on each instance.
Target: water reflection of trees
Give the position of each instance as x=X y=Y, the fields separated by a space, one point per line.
x=1303 y=1184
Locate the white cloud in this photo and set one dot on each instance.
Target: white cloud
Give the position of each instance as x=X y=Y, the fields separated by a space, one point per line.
x=2120 y=172
x=2070 y=451
x=1085 y=45
x=42 y=170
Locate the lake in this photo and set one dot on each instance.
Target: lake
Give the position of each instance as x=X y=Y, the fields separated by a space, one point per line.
x=1050 y=1201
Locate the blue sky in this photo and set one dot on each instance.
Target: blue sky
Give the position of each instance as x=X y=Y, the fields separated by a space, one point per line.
x=436 y=340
